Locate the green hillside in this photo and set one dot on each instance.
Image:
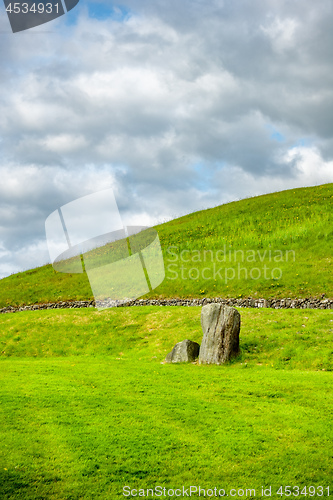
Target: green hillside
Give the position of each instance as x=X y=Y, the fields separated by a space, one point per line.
x=272 y=338
x=276 y=245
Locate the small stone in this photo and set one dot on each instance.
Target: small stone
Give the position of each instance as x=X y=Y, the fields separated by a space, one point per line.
x=183 y=352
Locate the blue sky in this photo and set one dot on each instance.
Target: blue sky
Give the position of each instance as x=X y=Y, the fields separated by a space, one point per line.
x=100 y=11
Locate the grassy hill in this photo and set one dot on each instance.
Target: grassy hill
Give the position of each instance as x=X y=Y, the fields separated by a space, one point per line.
x=276 y=245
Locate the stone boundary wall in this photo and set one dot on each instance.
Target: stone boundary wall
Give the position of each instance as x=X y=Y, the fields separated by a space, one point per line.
x=308 y=303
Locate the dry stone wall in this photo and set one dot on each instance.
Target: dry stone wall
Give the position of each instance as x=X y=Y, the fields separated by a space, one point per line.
x=307 y=303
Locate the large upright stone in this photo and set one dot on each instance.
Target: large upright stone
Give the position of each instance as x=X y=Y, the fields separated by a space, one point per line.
x=220 y=326
x=183 y=352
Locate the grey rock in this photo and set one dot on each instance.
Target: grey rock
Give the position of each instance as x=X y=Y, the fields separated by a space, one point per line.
x=183 y=352
x=220 y=326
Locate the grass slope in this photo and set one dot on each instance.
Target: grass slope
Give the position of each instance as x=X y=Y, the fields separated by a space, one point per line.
x=288 y=339
x=87 y=408
x=276 y=245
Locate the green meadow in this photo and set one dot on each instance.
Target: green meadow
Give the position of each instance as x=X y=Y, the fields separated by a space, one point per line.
x=89 y=410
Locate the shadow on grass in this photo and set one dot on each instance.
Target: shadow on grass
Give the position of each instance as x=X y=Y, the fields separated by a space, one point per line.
x=20 y=484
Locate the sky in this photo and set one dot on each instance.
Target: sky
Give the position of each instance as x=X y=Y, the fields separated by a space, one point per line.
x=177 y=105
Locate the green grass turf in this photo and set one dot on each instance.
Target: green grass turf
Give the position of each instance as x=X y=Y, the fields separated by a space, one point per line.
x=289 y=338
x=292 y=231
x=87 y=407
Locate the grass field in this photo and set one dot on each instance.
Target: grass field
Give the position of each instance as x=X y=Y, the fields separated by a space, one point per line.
x=87 y=407
x=276 y=245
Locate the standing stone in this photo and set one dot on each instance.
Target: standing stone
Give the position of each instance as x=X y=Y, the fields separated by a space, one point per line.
x=183 y=352
x=220 y=325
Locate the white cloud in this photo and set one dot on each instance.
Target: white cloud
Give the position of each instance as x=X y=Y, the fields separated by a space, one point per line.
x=29 y=257
x=310 y=167
x=64 y=143
x=282 y=33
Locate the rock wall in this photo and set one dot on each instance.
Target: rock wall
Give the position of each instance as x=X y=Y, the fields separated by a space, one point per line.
x=308 y=303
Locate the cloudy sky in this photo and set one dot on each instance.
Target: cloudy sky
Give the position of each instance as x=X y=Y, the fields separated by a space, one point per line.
x=177 y=105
